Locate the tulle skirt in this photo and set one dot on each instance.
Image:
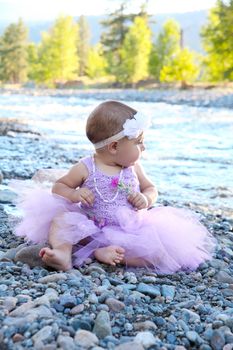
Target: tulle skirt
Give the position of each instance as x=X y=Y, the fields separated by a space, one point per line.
x=166 y=239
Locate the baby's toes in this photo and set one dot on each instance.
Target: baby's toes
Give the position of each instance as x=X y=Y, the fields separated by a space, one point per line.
x=118 y=261
x=120 y=251
x=119 y=257
x=47 y=255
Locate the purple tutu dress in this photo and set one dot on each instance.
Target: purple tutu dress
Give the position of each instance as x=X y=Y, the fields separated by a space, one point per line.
x=167 y=239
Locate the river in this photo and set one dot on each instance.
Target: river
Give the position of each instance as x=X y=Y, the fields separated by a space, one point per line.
x=189 y=150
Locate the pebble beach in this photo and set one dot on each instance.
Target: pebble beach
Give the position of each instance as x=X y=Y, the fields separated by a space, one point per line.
x=100 y=307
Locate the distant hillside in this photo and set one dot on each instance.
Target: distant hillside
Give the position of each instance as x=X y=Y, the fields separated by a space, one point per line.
x=190 y=22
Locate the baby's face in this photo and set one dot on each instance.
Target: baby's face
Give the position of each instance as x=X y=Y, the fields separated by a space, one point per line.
x=129 y=151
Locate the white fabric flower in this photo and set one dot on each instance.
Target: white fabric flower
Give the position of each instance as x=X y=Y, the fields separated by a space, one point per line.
x=132 y=128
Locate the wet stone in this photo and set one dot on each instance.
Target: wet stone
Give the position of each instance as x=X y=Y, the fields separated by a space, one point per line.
x=68 y=301
x=65 y=342
x=43 y=334
x=114 y=304
x=102 y=327
x=55 y=277
x=86 y=339
x=148 y=279
x=148 y=290
x=77 y=309
x=81 y=324
x=168 y=292
x=146 y=339
x=217 y=340
x=146 y=325
x=9 y=303
x=224 y=277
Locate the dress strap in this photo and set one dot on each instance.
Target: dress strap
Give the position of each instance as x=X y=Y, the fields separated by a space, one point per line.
x=88 y=162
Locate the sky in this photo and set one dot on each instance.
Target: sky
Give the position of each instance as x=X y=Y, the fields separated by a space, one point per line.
x=29 y=10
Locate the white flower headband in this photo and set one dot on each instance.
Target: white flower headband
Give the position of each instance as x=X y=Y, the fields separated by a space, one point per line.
x=132 y=128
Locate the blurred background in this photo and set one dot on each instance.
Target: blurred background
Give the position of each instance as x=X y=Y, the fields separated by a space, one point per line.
x=56 y=43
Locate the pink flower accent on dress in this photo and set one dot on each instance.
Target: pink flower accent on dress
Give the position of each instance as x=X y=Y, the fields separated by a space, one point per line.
x=115 y=182
x=120 y=185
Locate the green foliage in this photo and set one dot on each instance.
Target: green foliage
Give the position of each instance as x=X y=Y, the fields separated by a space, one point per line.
x=166 y=46
x=135 y=52
x=83 y=45
x=126 y=50
x=96 y=63
x=218 y=42
x=57 y=53
x=181 y=67
x=13 y=53
x=33 y=69
x=112 y=39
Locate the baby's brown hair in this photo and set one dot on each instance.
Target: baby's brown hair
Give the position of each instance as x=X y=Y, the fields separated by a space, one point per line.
x=107 y=119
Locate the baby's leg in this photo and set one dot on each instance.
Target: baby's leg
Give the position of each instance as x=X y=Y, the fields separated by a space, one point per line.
x=59 y=255
x=110 y=255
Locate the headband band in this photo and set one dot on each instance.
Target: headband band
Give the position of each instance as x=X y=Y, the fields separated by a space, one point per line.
x=132 y=128
x=107 y=141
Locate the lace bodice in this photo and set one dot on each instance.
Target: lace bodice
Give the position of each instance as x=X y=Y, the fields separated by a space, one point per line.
x=103 y=213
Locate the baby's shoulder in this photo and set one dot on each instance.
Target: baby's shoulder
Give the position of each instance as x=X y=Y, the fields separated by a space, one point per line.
x=137 y=168
x=86 y=163
x=79 y=170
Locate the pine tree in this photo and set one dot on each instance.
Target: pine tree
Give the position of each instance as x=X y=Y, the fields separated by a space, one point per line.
x=13 y=53
x=135 y=52
x=218 y=42
x=83 y=44
x=112 y=39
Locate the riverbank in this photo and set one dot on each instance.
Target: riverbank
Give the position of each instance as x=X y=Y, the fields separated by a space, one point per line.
x=100 y=307
x=218 y=97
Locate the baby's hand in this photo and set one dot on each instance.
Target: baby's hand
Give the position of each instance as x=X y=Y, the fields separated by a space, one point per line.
x=83 y=195
x=138 y=200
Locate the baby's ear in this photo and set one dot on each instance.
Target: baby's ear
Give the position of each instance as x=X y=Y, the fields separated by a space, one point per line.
x=112 y=147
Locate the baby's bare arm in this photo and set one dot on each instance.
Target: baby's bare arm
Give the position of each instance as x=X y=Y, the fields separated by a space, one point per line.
x=148 y=192
x=68 y=185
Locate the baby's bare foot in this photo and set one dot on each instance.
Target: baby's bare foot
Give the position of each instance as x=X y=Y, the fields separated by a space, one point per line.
x=111 y=255
x=56 y=258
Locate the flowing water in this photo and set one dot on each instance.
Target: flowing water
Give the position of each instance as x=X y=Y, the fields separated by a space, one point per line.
x=189 y=150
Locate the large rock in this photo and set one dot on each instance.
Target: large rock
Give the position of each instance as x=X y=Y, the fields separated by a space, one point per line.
x=10 y=254
x=30 y=255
